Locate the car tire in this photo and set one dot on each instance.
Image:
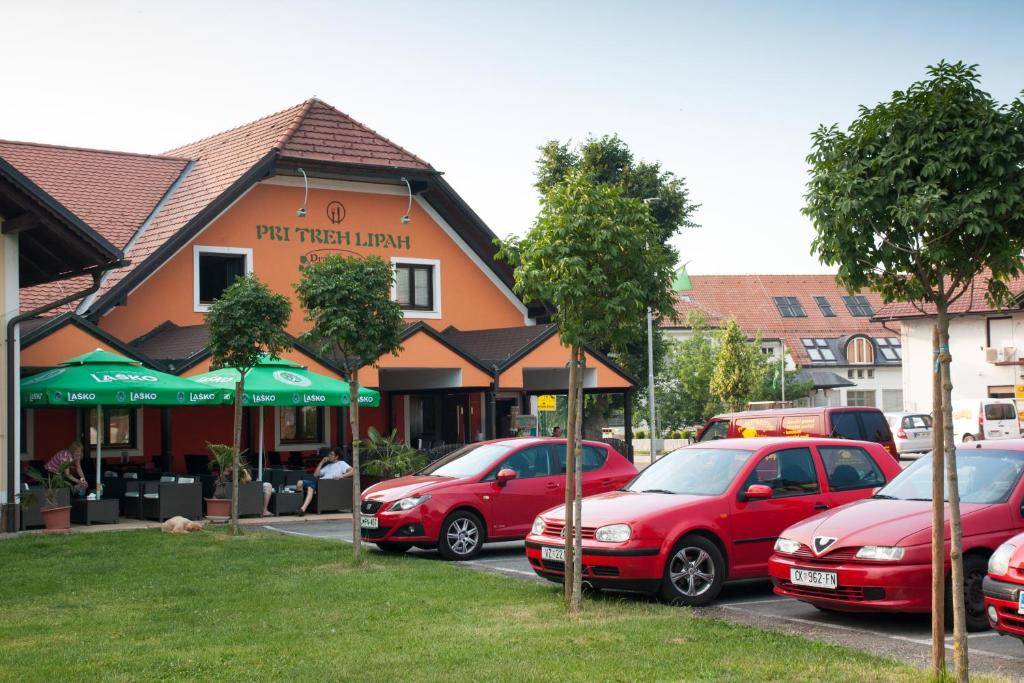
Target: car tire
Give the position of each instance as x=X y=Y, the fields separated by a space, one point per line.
x=462 y=536
x=394 y=548
x=975 y=569
x=694 y=572
x=968 y=438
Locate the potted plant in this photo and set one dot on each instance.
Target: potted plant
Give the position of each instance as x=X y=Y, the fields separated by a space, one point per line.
x=56 y=517
x=388 y=457
x=218 y=508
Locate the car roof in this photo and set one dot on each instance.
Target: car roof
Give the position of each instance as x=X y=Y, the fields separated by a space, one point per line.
x=758 y=442
x=771 y=412
x=994 y=444
x=904 y=413
x=528 y=440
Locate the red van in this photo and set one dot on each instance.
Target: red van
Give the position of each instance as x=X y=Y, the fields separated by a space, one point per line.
x=841 y=422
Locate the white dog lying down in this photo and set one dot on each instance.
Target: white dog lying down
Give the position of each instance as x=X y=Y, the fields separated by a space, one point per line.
x=180 y=525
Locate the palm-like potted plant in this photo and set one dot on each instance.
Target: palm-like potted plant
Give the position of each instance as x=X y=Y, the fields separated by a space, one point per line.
x=218 y=508
x=56 y=517
x=388 y=457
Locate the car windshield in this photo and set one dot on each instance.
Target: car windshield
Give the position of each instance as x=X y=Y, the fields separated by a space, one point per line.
x=691 y=471
x=985 y=476
x=468 y=461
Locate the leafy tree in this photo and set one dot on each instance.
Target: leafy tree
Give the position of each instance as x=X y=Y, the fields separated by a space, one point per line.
x=683 y=395
x=770 y=388
x=596 y=255
x=739 y=368
x=245 y=322
x=918 y=197
x=355 y=322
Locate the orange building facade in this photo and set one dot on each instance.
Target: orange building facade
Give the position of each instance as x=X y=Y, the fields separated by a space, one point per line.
x=269 y=198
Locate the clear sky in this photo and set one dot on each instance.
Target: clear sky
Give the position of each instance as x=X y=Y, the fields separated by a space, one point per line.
x=724 y=94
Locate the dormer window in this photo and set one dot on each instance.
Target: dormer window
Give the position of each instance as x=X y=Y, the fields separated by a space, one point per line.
x=818 y=350
x=860 y=351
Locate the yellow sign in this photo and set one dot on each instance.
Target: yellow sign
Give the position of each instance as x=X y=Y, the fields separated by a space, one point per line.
x=1018 y=391
x=546 y=402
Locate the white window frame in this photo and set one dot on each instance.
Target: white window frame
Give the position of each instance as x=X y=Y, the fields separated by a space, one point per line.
x=197 y=251
x=306 y=446
x=111 y=451
x=435 y=313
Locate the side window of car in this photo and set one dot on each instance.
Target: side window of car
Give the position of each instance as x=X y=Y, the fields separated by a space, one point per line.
x=845 y=426
x=719 y=429
x=850 y=468
x=593 y=458
x=788 y=472
x=875 y=427
x=528 y=463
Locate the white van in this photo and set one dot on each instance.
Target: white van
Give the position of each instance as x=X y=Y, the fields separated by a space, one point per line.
x=985 y=418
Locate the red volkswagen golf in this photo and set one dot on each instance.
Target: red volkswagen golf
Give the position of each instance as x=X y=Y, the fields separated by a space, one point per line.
x=488 y=491
x=875 y=555
x=708 y=512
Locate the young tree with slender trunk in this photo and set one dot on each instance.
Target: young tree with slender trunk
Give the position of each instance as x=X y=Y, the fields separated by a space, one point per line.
x=597 y=256
x=355 y=322
x=245 y=322
x=917 y=200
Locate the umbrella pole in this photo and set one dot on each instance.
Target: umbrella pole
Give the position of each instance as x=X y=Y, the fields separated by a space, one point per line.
x=99 y=447
x=261 y=444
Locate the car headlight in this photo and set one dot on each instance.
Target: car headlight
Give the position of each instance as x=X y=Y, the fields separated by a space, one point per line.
x=786 y=546
x=538 y=527
x=882 y=553
x=614 y=533
x=408 y=503
x=999 y=563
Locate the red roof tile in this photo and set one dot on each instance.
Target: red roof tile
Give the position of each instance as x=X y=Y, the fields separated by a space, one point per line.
x=749 y=299
x=971 y=302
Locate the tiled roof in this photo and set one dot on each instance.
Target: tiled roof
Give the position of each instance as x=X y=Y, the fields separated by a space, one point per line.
x=495 y=346
x=42 y=295
x=971 y=302
x=750 y=299
x=170 y=342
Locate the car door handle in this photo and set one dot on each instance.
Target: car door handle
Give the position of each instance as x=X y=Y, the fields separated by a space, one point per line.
x=821 y=506
x=552 y=485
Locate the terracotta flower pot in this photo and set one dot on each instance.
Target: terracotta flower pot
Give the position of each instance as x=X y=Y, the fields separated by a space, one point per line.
x=57 y=519
x=218 y=509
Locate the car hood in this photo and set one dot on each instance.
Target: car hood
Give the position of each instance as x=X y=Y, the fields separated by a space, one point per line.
x=617 y=507
x=394 y=489
x=872 y=522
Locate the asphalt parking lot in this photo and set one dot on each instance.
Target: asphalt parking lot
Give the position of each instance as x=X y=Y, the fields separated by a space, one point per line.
x=906 y=637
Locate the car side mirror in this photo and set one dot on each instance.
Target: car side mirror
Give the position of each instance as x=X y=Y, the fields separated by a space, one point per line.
x=505 y=476
x=758 y=492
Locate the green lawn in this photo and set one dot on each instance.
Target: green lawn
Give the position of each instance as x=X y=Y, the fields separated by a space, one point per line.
x=141 y=605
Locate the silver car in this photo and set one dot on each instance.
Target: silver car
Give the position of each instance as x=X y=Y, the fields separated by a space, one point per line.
x=912 y=433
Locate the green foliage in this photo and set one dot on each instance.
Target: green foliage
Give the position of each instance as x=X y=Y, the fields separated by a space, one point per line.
x=639 y=434
x=683 y=393
x=389 y=457
x=739 y=368
x=220 y=461
x=595 y=254
x=245 y=322
x=348 y=301
x=770 y=388
x=923 y=192
x=50 y=482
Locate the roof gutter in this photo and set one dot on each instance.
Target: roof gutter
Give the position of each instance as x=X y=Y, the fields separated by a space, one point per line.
x=11 y=512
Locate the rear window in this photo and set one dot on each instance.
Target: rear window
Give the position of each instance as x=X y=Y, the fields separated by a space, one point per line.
x=593 y=458
x=999 y=411
x=849 y=467
x=917 y=422
x=719 y=429
x=875 y=427
x=846 y=426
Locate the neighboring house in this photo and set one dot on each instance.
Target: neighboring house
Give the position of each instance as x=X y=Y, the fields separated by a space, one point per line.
x=827 y=333
x=270 y=197
x=41 y=243
x=986 y=344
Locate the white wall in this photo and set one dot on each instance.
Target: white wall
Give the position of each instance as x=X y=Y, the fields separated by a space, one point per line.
x=971 y=374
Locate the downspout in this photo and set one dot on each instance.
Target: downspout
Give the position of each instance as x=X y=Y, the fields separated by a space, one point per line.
x=492 y=408
x=11 y=515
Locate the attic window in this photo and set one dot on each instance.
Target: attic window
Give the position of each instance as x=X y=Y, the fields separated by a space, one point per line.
x=859 y=351
x=789 y=307
x=818 y=350
x=825 y=306
x=890 y=348
x=858 y=306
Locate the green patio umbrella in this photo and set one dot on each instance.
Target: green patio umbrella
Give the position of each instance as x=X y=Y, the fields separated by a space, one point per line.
x=100 y=378
x=281 y=382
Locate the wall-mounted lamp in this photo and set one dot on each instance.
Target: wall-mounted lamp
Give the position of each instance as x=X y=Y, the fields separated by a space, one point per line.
x=301 y=213
x=408 y=209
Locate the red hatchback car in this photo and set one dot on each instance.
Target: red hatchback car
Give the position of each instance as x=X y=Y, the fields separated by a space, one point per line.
x=875 y=555
x=708 y=512
x=488 y=491
x=1004 y=588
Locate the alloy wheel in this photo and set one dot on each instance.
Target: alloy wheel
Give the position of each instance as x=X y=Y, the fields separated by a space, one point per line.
x=692 y=571
x=463 y=536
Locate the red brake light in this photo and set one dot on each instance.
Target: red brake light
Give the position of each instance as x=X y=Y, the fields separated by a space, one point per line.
x=901 y=434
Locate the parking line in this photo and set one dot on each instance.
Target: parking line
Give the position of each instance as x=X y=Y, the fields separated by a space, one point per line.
x=500 y=569
x=778 y=598
x=949 y=646
x=807 y=621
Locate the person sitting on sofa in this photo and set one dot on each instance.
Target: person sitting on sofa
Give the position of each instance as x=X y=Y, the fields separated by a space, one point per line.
x=329 y=467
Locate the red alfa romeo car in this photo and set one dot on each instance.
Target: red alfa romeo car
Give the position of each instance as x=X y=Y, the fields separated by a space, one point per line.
x=488 y=491
x=708 y=512
x=875 y=555
x=1004 y=588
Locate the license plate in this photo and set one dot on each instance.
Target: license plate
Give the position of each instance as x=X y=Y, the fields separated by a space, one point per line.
x=1020 y=602
x=368 y=522
x=556 y=554
x=814 y=578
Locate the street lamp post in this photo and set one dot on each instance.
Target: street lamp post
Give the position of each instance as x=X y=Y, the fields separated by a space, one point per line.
x=650 y=381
